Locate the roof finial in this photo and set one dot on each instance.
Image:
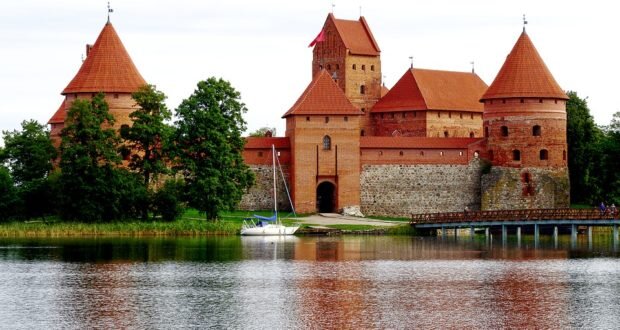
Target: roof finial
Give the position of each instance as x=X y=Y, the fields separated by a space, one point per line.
x=472 y=67
x=524 y=22
x=411 y=59
x=110 y=10
x=333 y=6
x=360 y=11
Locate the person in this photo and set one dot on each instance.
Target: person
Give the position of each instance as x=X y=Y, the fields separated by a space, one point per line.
x=613 y=210
x=602 y=208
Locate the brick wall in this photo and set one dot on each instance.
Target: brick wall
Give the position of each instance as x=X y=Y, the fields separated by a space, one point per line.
x=400 y=190
x=525 y=188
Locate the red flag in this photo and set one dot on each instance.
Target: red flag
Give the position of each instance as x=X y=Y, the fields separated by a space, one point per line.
x=319 y=38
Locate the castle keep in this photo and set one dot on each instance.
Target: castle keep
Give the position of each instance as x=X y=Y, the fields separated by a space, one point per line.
x=436 y=141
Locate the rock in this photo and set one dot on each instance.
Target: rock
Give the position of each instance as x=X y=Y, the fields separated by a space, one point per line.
x=353 y=211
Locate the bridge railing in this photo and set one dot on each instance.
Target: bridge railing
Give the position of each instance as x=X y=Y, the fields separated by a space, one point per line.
x=513 y=215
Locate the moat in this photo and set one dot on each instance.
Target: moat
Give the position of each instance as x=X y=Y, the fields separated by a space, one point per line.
x=309 y=282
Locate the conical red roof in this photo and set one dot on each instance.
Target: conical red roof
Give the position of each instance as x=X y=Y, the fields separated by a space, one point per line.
x=107 y=68
x=323 y=97
x=524 y=74
x=59 y=116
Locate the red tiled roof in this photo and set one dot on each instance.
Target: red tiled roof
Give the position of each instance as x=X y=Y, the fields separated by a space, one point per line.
x=322 y=97
x=524 y=74
x=107 y=68
x=400 y=142
x=356 y=35
x=267 y=142
x=59 y=116
x=421 y=89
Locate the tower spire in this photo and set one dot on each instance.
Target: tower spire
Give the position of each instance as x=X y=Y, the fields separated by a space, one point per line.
x=524 y=22
x=110 y=10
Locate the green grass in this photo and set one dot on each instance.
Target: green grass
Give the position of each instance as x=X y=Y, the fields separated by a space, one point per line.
x=353 y=227
x=389 y=218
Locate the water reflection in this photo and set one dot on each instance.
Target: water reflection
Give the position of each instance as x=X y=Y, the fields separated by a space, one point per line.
x=309 y=282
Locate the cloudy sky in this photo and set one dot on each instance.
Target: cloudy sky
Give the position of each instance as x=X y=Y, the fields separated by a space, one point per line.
x=261 y=47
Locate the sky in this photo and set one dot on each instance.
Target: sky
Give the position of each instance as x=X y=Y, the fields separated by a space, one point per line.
x=261 y=47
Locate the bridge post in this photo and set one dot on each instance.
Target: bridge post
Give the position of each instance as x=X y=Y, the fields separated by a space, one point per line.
x=555 y=236
x=615 y=234
x=504 y=234
x=590 y=237
x=443 y=232
x=472 y=232
x=536 y=235
x=573 y=235
x=519 y=236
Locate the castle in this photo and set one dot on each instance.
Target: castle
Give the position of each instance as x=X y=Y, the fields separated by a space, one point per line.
x=437 y=141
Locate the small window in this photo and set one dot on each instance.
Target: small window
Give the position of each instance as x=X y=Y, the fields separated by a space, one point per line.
x=320 y=67
x=415 y=114
x=461 y=116
x=124 y=131
x=260 y=154
x=441 y=153
x=362 y=133
x=362 y=89
x=486 y=131
x=460 y=153
x=471 y=115
x=504 y=101
x=308 y=118
x=401 y=153
x=556 y=101
x=504 y=130
x=421 y=153
x=404 y=115
x=536 y=130
x=472 y=135
x=372 y=67
x=363 y=67
x=522 y=101
x=380 y=153
x=326 y=120
x=564 y=155
x=363 y=109
x=516 y=155
x=445 y=133
x=438 y=114
x=327 y=143
x=115 y=95
x=346 y=118
x=381 y=116
x=540 y=100
x=544 y=154
x=354 y=67
x=449 y=114
x=337 y=66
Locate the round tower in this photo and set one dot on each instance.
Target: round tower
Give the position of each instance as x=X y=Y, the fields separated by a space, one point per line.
x=524 y=121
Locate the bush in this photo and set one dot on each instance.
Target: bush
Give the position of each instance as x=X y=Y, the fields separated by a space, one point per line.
x=9 y=199
x=167 y=200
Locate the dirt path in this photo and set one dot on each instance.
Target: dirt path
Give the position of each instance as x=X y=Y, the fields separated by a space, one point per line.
x=323 y=219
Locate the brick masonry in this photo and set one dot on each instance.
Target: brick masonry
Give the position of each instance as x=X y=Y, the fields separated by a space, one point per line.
x=525 y=188
x=400 y=190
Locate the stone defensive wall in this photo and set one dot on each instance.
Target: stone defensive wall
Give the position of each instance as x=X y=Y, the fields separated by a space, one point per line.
x=401 y=190
x=505 y=188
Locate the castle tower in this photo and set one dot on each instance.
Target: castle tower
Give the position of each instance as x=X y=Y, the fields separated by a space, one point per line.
x=347 y=50
x=108 y=69
x=524 y=121
x=323 y=127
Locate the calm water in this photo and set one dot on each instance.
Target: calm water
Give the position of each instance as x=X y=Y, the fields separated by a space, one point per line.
x=344 y=282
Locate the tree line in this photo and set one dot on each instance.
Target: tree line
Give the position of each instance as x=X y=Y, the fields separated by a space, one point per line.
x=151 y=168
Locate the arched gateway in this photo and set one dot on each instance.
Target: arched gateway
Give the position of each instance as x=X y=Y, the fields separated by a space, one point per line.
x=325 y=197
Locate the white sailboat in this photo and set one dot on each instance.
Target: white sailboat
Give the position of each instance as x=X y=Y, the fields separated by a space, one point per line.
x=269 y=226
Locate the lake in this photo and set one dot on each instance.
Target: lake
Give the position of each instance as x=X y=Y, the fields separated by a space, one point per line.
x=309 y=282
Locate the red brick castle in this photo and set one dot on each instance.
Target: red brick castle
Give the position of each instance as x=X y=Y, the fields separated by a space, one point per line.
x=437 y=141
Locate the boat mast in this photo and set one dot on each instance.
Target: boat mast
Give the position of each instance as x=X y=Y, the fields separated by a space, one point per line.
x=275 y=200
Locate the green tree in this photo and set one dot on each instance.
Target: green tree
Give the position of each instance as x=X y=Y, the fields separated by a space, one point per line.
x=583 y=151
x=147 y=136
x=209 y=146
x=263 y=132
x=609 y=147
x=89 y=180
x=8 y=195
x=29 y=152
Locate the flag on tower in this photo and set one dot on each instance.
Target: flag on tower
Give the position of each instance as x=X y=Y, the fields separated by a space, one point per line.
x=319 y=38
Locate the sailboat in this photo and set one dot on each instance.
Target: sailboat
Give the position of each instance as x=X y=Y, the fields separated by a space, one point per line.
x=269 y=226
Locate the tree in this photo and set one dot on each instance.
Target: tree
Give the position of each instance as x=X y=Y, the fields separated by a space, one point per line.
x=209 y=146
x=583 y=150
x=264 y=132
x=29 y=152
x=8 y=193
x=609 y=149
x=147 y=135
x=89 y=180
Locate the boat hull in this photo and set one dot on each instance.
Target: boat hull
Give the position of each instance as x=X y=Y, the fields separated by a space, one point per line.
x=268 y=230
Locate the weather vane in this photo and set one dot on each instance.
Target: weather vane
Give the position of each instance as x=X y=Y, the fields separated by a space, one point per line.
x=110 y=10
x=411 y=60
x=524 y=22
x=472 y=67
x=333 y=6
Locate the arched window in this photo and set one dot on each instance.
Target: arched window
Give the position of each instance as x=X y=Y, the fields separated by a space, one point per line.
x=504 y=130
x=445 y=134
x=536 y=130
x=472 y=135
x=544 y=154
x=362 y=89
x=327 y=143
x=354 y=67
x=372 y=67
x=364 y=67
x=516 y=155
x=362 y=133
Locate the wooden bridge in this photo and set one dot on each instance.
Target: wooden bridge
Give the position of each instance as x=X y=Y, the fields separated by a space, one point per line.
x=572 y=218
